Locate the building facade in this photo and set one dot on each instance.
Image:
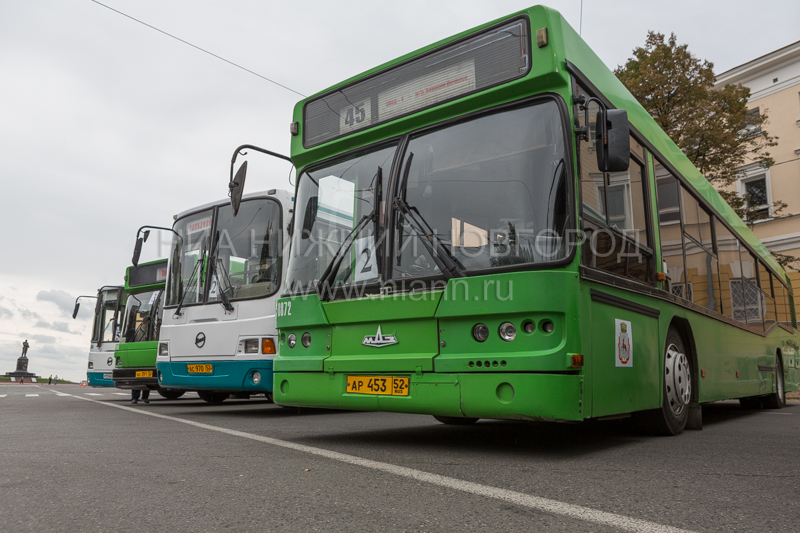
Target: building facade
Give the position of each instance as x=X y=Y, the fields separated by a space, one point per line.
x=774 y=82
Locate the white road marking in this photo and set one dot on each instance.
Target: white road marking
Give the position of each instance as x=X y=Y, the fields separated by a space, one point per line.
x=31 y=395
x=120 y=394
x=63 y=394
x=92 y=394
x=3 y=395
x=518 y=498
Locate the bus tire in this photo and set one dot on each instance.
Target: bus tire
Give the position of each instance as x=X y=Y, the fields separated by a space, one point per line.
x=777 y=399
x=676 y=392
x=268 y=396
x=212 y=397
x=455 y=420
x=171 y=394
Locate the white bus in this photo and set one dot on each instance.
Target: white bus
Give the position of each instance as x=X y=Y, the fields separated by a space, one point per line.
x=105 y=334
x=218 y=334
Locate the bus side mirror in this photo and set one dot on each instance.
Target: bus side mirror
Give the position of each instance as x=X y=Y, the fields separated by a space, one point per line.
x=236 y=187
x=613 y=140
x=75 y=311
x=137 y=248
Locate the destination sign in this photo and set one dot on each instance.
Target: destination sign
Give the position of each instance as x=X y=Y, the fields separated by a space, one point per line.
x=481 y=61
x=141 y=275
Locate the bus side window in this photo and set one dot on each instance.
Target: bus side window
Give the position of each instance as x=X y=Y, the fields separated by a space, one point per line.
x=768 y=303
x=782 y=303
x=730 y=273
x=702 y=271
x=669 y=221
x=614 y=213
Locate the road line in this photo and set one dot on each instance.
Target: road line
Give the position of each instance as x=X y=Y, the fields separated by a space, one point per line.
x=518 y=498
x=3 y=395
x=31 y=395
x=93 y=394
x=120 y=394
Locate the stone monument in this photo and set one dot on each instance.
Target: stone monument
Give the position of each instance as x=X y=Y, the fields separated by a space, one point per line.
x=22 y=366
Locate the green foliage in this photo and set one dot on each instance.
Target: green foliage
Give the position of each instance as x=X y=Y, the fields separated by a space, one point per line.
x=713 y=127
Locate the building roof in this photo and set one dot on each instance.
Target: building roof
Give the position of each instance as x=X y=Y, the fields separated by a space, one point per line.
x=764 y=66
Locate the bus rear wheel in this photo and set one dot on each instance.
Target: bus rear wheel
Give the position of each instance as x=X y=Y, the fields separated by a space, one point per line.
x=777 y=399
x=676 y=392
x=171 y=394
x=455 y=420
x=212 y=397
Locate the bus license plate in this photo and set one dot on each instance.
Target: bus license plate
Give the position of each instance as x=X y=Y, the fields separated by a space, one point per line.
x=200 y=369
x=385 y=385
x=144 y=373
x=106 y=376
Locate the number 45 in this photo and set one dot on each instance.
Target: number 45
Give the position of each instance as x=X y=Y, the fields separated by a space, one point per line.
x=355 y=115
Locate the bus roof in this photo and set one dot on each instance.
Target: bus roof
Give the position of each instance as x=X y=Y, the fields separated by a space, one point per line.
x=567 y=47
x=281 y=195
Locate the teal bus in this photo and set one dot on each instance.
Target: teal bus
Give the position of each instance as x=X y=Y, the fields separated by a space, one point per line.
x=226 y=271
x=141 y=323
x=493 y=227
x=105 y=334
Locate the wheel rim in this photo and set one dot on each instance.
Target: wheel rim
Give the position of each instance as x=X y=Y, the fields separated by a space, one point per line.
x=678 y=379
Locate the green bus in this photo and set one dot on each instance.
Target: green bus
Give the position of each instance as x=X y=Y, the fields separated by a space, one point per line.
x=493 y=227
x=141 y=323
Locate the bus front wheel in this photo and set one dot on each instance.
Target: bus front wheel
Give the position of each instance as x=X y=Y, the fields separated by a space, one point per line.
x=777 y=399
x=171 y=394
x=212 y=397
x=455 y=420
x=676 y=392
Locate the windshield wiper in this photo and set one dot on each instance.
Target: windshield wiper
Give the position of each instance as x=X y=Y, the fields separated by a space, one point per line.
x=338 y=257
x=224 y=301
x=449 y=265
x=196 y=268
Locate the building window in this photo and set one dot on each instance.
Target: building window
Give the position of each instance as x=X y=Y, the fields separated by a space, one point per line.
x=755 y=186
x=753 y=123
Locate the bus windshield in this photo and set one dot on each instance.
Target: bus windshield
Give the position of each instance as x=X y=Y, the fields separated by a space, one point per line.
x=331 y=201
x=246 y=255
x=105 y=323
x=141 y=320
x=186 y=263
x=493 y=190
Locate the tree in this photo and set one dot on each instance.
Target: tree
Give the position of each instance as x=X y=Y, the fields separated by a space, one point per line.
x=713 y=127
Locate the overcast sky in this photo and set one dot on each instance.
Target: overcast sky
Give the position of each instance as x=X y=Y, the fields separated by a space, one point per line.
x=107 y=125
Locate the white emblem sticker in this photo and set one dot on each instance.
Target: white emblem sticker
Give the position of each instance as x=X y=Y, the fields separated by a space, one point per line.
x=379 y=340
x=623 y=346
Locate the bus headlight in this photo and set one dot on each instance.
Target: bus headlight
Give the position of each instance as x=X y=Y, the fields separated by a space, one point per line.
x=91 y=364
x=256 y=377
x=291 y=340
x=251 y=346
x=480 y=332
x=163 y=348
x=306 y=339
x=507 y=331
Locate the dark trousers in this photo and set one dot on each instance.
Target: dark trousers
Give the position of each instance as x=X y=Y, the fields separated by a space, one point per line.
x=145 y=394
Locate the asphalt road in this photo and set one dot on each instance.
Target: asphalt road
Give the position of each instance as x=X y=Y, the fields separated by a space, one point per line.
x=78 y=459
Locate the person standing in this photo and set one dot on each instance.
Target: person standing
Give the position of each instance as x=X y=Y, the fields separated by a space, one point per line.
x=135 y=395
x=55 y=381
x=50 y=380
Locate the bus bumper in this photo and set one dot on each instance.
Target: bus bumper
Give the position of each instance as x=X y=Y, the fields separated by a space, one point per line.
x=518 y=396
x=96 y=379
x=234 y=376
x=125 y=378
